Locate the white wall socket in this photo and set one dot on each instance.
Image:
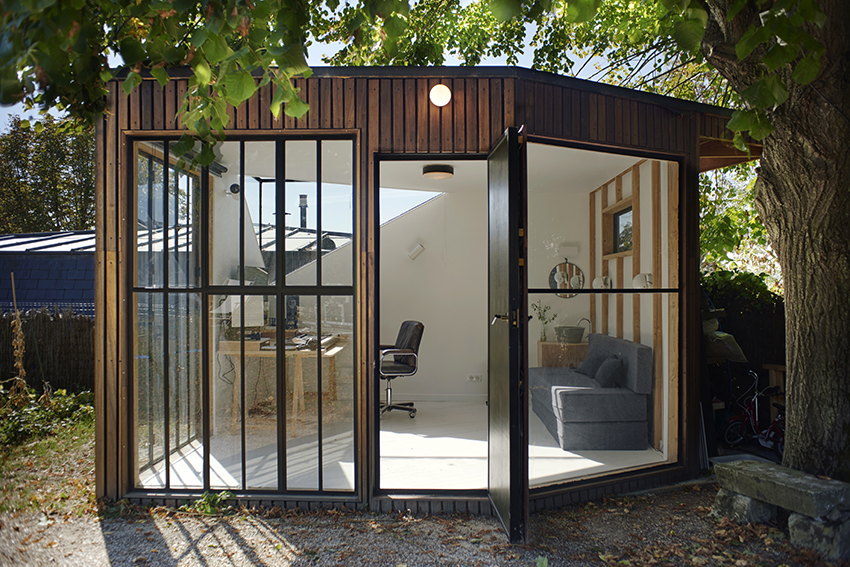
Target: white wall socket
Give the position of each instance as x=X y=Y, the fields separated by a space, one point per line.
x=474 y=378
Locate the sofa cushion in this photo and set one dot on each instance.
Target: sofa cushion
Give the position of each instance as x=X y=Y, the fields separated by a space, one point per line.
x=610 y=372
x=571 y=403
x=610 y=436
x=591 y=364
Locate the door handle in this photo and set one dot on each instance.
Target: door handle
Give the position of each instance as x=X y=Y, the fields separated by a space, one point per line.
x=500 y=318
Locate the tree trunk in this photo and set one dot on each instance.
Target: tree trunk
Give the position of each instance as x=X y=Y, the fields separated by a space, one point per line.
x=803 y=198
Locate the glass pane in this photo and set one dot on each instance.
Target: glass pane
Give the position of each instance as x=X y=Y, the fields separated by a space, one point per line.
x=301 y=221
x=600 y=400
x=226 y=316
x=261 y=395
x=183 y=226
x=149 y=215
x=338 y=393
x=337 y=212
x=260 y=213
x=225 y=198
x=184 y=382
x=149 y=390
x=302 y=407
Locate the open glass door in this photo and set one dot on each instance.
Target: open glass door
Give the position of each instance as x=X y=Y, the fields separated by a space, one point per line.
x=508 y=407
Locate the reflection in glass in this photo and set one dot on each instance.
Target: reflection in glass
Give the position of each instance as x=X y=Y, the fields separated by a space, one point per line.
x=226 y=318
x=149 y=398
x=302 y=387
x=150 y=183
x=261 y=397
x=301 y=206
x=337 y=212
x=598 y=405
x=337 y=393
x=183 y=202
x=225 y=196
x=184 y=385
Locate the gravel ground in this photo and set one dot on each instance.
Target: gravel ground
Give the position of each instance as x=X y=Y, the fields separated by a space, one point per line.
x=671 y=527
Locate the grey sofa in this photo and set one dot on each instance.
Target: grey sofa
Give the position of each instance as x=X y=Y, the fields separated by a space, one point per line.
x=604 y=403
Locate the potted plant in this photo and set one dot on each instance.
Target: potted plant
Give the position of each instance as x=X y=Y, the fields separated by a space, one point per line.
x=542 y=312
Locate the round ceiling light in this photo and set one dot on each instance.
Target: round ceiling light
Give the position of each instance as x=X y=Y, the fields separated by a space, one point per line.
x=440 y=95
x=438 y=171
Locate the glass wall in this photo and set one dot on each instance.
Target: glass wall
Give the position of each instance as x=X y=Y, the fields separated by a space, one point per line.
x=603 y=297
x=259 y=275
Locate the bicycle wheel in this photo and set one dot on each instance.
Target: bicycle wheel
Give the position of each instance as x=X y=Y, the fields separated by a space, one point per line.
x=735 y=432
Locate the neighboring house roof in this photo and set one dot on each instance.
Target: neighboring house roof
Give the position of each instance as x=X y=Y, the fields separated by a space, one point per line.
x=54 y=269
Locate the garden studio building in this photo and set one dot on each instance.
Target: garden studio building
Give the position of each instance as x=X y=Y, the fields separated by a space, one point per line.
x=542 y=229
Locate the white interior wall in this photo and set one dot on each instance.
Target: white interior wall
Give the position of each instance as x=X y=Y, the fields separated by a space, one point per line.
x=445 y=288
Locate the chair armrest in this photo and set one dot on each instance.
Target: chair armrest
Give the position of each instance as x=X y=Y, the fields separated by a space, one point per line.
x=385 y=347
x=394 y=351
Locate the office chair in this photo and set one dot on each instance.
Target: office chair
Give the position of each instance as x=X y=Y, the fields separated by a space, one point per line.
x=404 y=361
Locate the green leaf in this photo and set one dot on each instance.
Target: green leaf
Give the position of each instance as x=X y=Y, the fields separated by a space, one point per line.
x=736 y=7
x=505 y=10
x=296 y=108
x=202 y=70
x=131 y=50
x=216 y=49
x=132 y=81
x=199 y=37
x=811 y=12
x=207 y=155
x=105 y=75
x=779 y=55
x=751 y=39
x=277 y=100
x=688 y=34
x=183 y=145
x=807 y=69
x=160 y=74
x=25 y=124
x=579 y=11
x=239 y=87
x=767 y=92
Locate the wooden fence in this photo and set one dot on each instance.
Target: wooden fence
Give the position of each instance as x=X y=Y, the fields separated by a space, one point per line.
x=59 y=349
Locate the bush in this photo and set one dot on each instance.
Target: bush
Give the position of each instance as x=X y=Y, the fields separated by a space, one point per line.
x=42 y=416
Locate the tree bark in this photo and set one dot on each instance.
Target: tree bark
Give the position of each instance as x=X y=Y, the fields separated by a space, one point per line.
x=803 y=198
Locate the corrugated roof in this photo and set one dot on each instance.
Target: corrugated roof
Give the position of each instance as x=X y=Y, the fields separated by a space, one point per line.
x=48 y=242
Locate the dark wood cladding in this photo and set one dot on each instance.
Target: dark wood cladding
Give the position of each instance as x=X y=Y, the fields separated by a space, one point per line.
x=480 y=110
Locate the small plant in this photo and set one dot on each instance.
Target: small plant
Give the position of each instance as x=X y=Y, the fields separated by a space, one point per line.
x=210 y=504
x=542 y=312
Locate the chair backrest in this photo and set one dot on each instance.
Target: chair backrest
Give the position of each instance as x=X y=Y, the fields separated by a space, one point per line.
x=409 y=337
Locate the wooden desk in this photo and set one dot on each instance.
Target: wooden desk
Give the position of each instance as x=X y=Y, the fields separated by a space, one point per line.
x=253 y=350
x=776 y=377
x=554 y=354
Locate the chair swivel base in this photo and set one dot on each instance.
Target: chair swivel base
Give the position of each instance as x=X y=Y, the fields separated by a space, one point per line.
x=405 y=406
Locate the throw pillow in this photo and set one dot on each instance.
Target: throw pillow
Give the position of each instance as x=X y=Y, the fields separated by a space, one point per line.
x=609 y=372
x=590 y=365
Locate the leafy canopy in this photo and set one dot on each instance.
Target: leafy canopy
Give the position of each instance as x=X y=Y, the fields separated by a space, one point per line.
x=55 y=54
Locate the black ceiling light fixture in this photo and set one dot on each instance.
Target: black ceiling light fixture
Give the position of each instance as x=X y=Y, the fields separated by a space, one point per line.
x=438 y=171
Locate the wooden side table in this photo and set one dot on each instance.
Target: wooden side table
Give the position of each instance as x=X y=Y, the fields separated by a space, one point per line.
x=555 y=354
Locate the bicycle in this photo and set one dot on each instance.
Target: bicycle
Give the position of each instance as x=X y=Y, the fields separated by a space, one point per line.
x=745 y=425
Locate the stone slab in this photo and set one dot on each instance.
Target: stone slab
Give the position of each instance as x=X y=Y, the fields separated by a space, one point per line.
x=829 y=536
x=793 y=490
x=742 y=509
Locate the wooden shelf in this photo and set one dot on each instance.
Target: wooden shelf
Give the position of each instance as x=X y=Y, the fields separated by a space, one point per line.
x=553 y=354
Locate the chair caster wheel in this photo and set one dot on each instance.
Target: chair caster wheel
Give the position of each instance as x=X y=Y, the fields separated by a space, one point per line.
x=412 y=414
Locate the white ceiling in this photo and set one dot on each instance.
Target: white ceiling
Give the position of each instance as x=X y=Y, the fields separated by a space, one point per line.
x=549 y=168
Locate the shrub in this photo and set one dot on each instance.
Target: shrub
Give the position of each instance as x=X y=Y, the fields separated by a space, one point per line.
x=41 y=416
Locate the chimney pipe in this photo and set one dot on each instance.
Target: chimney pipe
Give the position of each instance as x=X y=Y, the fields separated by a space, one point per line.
x=303 y=205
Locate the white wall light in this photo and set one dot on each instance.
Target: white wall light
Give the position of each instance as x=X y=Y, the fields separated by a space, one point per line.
x=417 y=250
x=440 y=95
x=642 y=281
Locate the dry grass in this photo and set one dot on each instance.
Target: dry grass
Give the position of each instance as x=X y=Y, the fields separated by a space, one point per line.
x=52 y=475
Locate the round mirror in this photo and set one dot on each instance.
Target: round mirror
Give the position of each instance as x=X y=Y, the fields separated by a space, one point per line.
x=566 y=276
